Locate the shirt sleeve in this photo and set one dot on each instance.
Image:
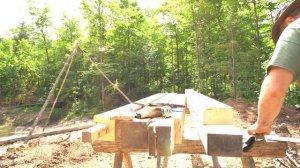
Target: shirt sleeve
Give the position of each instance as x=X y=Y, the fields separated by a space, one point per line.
x=287 y=50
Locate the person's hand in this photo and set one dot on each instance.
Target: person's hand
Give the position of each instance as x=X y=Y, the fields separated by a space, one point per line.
x=259 y=129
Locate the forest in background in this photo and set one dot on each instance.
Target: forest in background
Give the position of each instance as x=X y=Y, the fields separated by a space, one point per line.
x=217 y=47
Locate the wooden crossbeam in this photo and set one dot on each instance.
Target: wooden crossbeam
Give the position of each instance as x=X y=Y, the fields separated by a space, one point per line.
x=93 y=133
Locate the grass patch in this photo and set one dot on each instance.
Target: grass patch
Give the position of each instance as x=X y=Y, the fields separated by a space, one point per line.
x=6 y=130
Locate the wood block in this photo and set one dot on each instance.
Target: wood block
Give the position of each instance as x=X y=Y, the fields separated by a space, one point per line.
x=161 y=137
x=109 y=117
x=93 y=133
x=178 y=116
x=222 y=140
x=134 y=134
x=209 y=111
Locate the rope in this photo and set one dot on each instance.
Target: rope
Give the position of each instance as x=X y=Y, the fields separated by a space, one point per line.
x=103 y=74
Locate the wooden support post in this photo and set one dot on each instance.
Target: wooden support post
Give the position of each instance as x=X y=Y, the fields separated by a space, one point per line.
x=127 y=159
x=158 y=162
x=248 y=162
x=118 y=160
x=166 y=160
x=215 y=161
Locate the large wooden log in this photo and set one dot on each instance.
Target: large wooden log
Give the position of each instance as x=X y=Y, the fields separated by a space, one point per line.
x=12 y=139
x=220 y=139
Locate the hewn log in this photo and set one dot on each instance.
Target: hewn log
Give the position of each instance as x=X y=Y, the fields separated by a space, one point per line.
x=62 y=130
x=218 y=139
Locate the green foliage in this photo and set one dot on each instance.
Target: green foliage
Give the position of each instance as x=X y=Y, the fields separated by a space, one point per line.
x=219 y=48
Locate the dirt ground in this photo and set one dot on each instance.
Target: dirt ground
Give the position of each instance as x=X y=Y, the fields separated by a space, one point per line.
x=68 y=151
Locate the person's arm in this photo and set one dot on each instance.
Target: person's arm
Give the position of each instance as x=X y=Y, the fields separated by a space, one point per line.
x=272 y=94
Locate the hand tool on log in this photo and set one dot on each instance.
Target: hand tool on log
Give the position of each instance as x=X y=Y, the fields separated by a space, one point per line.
x=249 y=143
x=151 y=112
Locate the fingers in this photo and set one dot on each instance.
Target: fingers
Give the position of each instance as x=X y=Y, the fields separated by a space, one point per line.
x=255 y=129
x=251 y=132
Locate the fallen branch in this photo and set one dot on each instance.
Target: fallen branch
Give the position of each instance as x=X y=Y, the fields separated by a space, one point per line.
x=62 y=130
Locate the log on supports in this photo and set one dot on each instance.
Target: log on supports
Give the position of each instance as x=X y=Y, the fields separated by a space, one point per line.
x=213 y=121
x=93 y=133
x=161 y=137
x=126 y=112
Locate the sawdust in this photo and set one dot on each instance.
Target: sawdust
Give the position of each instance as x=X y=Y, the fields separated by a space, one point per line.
x=56 y=152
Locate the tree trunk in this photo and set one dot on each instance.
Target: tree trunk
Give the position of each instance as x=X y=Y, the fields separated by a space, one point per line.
x=258 y=43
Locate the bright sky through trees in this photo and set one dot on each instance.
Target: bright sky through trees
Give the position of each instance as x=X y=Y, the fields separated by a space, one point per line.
x=13 y=12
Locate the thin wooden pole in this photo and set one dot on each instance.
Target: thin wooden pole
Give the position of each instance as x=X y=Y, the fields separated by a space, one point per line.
x=60 y=89
x=51 y=93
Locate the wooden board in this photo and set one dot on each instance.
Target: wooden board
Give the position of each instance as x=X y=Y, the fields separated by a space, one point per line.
x=161 y=137
x=178 y=100
x=148 y=100
x=218 y=140
x=93 y=133
x=134 y=134
x=165 y=100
